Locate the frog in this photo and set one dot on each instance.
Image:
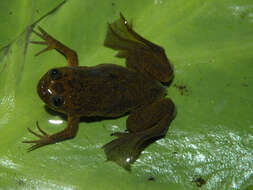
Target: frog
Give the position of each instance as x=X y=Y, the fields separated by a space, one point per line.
x=110 y=91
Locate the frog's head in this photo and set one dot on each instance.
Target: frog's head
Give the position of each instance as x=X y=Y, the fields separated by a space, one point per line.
x=53 y=91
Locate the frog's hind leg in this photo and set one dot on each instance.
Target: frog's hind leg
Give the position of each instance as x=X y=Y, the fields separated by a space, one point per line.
x=52 y=43
x=140 y=54
x=145 y=125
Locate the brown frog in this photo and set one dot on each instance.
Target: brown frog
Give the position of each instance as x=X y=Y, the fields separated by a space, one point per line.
x=109 y=90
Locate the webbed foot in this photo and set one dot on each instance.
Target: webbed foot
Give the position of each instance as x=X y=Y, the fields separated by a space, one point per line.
x=141 y=54
x=125 y=149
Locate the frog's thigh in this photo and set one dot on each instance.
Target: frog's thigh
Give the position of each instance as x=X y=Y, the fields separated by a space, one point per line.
x=150 y=115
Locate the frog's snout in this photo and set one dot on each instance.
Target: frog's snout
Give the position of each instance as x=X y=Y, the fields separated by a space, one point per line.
x=43 y=90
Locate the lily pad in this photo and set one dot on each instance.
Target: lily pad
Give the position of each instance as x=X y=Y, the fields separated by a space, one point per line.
x=208 y=145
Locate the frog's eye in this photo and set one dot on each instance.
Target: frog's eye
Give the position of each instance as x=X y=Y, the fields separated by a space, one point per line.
x=57 y=101
x=55 y=74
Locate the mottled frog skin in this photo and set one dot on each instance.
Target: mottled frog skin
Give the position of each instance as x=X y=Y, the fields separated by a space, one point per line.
x=109 y=90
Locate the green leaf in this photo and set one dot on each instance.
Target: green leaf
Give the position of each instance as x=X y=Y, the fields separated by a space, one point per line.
x=210 y=142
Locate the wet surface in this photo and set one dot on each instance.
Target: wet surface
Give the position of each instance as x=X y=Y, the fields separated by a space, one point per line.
x=210 y=142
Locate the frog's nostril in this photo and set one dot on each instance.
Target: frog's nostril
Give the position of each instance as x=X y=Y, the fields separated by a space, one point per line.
x=41 y=88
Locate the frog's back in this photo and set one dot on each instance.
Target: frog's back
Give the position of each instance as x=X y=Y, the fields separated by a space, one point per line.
x=109 y=90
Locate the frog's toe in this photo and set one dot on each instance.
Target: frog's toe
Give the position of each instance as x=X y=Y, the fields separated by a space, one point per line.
x=43 y=50
x=43 y=34
x=117 y=134
x=38 y=42
x=38 y=143
x=44 y=138
x=43 y=132
x=35 y=134
x=49 y=40
x=34 y=147
x=49 y=47
x=38 y=34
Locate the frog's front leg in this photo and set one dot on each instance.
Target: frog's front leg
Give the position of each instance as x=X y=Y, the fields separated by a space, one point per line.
x=145 y=125
x=46 y=139
x=52 y=43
